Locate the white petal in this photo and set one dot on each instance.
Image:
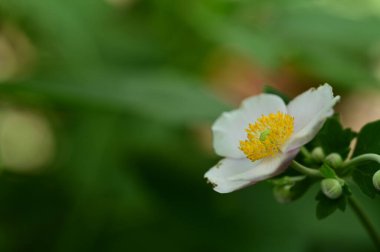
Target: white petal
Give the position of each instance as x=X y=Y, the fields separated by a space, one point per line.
x=263 y=104
x=232 y=174
x=310 y=110
x=229 y=129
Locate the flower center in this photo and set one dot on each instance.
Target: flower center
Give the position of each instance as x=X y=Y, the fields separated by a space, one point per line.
x=266 y=136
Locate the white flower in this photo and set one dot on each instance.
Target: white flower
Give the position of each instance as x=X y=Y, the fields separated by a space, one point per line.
x=262 y=137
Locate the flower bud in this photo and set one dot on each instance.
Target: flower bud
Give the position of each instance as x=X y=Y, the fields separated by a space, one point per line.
x=331 y=188
x=283 y=194
x=376 y=180
x=318 y=154
x=334 y=160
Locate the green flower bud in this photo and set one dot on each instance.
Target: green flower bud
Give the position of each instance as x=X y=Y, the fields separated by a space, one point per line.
x=318 y=154
x=334 y=160
x=376 y=180
x=283 y=194
x=331 y=188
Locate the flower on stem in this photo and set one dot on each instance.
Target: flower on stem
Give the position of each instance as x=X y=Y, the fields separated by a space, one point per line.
x=262 y=137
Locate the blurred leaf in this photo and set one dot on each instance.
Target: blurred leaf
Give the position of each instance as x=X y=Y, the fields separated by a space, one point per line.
x=165 y=97
x=342 y=203
x=60 y=28
x=272 y=90
x=324 y=46
x=333 y=138
x=127 y=171
x=327 y=171
x=368 y=142
x=326 y=206
x=362 y=175
x=300 y=188
x=310 y=24
x=259 y=45
x=368 y=139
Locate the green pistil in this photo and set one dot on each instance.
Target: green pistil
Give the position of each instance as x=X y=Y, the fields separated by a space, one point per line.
x=264 y=135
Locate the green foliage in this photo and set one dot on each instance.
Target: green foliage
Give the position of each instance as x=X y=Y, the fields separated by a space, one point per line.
x=327 y=171
x=362 y=175
x=368 y=142
x=333 y=138
x=326 y=206
x=300 y=188
x=272 y=90
x=163 y=96
x=126 y=89
x=292 y=190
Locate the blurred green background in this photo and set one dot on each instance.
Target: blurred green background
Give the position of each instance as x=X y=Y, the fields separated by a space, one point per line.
x=105 y=114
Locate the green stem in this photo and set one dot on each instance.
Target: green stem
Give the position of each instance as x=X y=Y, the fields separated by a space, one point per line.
x=305 y=170
x=296 y=178
x=287 y=180
x=306 y=153
x=362 y=158
x=367 y=224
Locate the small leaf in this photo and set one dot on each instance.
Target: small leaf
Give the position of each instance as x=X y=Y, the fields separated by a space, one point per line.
x=333 y=138
x=163 y=96
x=327 y=171
x=368 y=142
x=297 y=189
x=362 y=175
x=301 y=187
x=342 y=203
x=346 y=190
x=326 y=206
x=272 y=90
x=368 y=139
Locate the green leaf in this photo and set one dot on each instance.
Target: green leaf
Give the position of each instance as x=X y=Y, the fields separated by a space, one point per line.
x=301 y=187
x=333 y=138
x=368 y=142
x=163 y=96
x=272 y=90
x=362 y=175
x=326 y=206
x=368 y=139
x=298 y=188
x=327 y=171
x=342 y=204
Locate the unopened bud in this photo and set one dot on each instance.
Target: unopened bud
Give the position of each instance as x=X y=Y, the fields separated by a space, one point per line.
x=331 y=188
x=334 y=160
x=376 y=180
x=283 y=194
x=318 y=154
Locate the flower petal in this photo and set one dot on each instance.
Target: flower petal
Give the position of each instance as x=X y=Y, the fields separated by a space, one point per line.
x=310 y=110
x=263 y=104
x=229 y=129
x=232 y=174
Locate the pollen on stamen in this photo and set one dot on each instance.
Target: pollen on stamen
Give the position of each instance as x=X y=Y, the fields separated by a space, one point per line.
x=266 y=136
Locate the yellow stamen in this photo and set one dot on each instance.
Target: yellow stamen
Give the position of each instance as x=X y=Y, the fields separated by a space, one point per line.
x=266 y=136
